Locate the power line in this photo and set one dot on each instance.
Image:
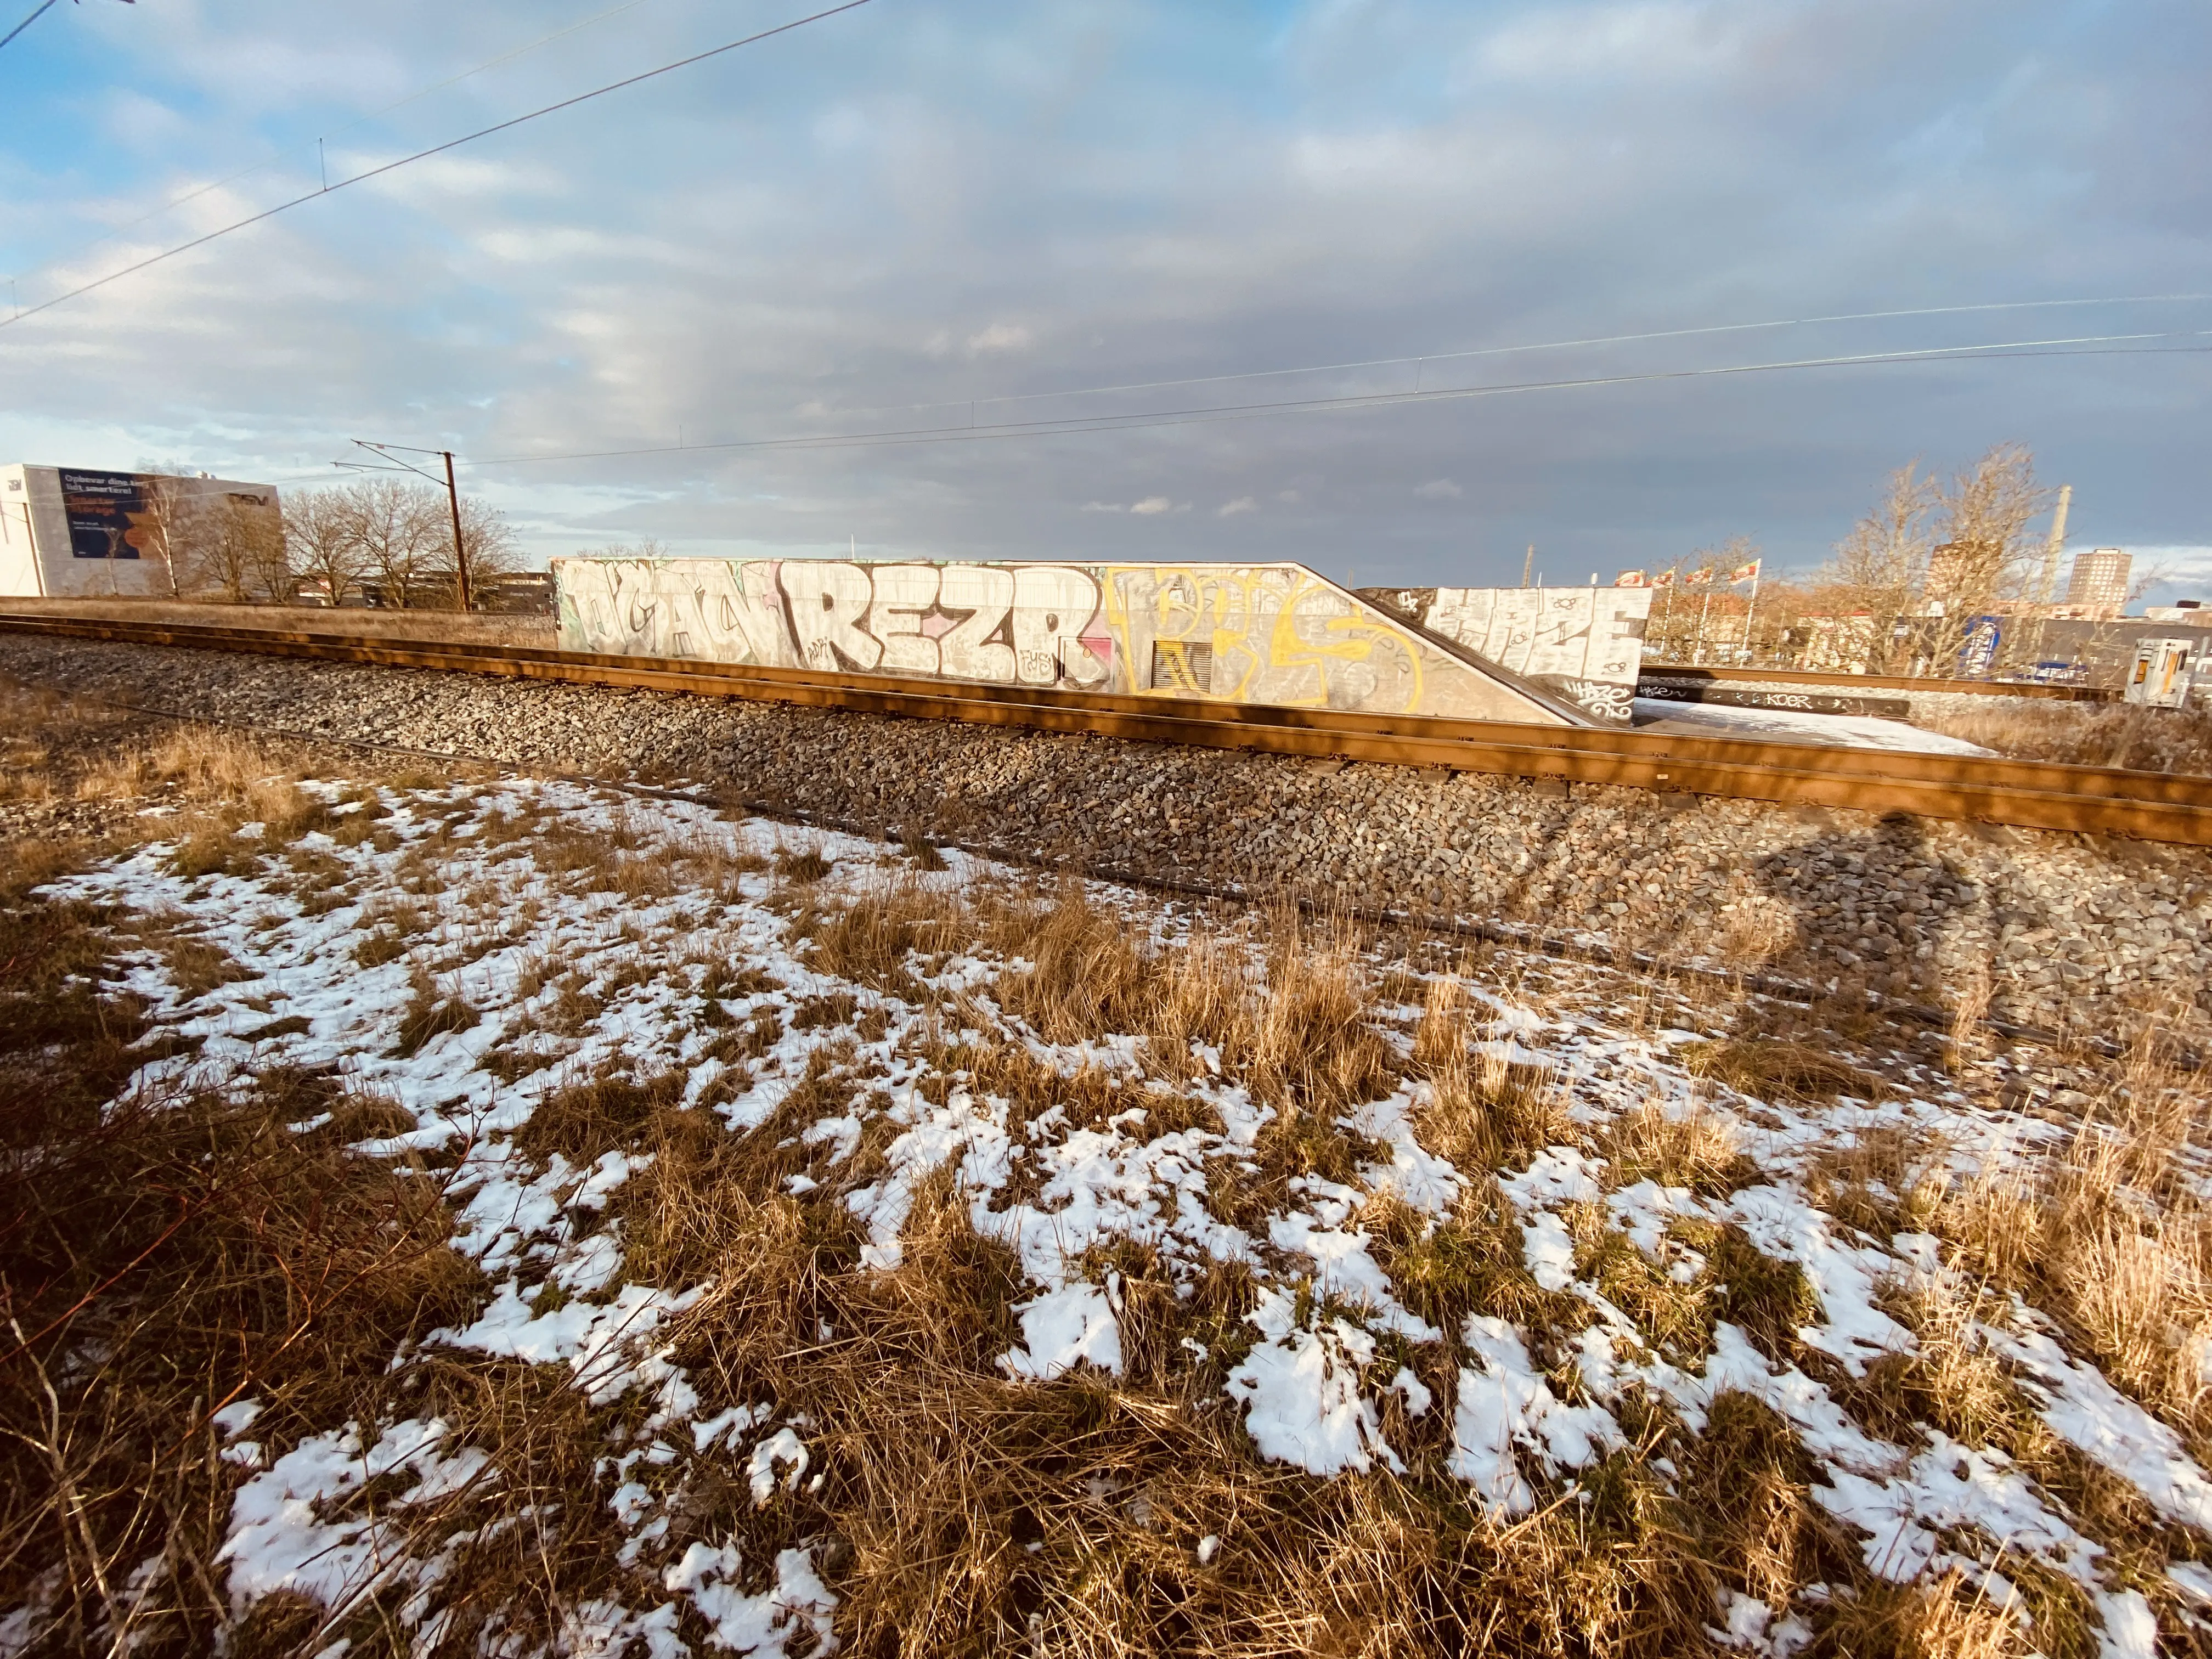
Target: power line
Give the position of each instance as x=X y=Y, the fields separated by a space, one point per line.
x=2082 y=346
x=277 y=154
x=1544 y=345
x=434 y=149
x=2078 y=345
x=38 y=12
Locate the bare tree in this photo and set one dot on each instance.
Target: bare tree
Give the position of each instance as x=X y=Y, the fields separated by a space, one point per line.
x=1983 y=553
x=173 y=522
x=243 y=549
x=405 y=537
x=488 y=546
x=323 y=540
x=255 y=526
x=1877 y=571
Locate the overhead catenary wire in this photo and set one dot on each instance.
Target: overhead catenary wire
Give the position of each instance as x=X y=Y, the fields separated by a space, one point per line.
x=1425 y=357
x=277 y=154
x=37 y=12
x=2077 y=345
x=379 y=171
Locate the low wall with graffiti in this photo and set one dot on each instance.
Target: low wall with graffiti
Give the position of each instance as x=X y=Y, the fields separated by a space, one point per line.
x=1265 y=634
x=1582 y=644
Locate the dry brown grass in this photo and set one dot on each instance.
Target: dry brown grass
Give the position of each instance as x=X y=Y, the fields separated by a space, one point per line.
x=1482 y=1112
x=2083 y=734
x=164 y=1256
x=869 y=940
x=1772 y=1067
x=958 y=1511
x=2107 y=1235
x=1756 y=929
x=1700 y=1150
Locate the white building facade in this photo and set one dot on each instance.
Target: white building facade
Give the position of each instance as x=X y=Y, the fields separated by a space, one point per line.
x=80 y=532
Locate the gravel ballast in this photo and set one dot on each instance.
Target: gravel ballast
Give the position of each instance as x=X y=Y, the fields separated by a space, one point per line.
x=2089 y=935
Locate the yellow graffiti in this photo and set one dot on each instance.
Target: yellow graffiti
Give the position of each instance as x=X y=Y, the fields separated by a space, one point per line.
x=1254 y=624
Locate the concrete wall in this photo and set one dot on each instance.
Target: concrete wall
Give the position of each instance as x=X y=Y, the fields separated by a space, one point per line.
x=19 y=555
x=1268 y=634
x=1584 y=645
x=89 y=530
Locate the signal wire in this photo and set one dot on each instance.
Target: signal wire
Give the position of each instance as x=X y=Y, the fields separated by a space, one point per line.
x=359 y=120
x=1542 y=345
x=421 y=154
x=37 y=13
x=2076 y=346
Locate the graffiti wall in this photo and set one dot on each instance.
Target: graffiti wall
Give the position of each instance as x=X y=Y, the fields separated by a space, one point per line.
x=1582 y=644
x=1268 y=634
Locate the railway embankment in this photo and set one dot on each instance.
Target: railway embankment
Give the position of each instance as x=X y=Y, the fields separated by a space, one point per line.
x=2062 y=931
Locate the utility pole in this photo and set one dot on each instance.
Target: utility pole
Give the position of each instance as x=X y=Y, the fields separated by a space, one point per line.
x=2048 y=589
x=460 y=546
x=462 y=585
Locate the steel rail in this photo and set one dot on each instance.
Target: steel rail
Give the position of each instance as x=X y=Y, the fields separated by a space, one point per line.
x=2029 y=794
x=1656 y=668
x=1578 y=949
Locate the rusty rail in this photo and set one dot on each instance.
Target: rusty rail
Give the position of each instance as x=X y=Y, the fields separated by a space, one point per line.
x=2031 y=794
x=1657 y=668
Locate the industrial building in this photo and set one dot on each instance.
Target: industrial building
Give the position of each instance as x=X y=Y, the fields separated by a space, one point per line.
x=76 y=532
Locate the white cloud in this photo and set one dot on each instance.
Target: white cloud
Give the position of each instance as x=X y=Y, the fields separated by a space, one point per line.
x=425 y=182
x=868 y=228
x=1439 y=489
x=2180 y=565
x=1241 y=504
x=1643 y=39
x=1000 y=336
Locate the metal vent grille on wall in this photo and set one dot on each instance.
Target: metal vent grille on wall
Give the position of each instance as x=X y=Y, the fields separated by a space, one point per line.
x=1182 y=666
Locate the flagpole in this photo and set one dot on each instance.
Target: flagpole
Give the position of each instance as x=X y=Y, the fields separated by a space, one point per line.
x=1750 y=652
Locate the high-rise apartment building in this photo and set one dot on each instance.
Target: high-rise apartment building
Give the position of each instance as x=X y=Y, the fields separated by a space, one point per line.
x=2099 y=580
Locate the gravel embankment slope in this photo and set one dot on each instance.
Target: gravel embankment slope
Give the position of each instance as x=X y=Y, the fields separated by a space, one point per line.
x=2088 y=936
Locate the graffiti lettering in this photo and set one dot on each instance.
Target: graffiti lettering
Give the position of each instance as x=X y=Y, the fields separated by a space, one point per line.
x=1272 y=634
x=1568 y=639
x=827 y=601
x=975 y=648
x=1600 y=698
x=1052 y=605
x=1268 y=633
x=905 y=594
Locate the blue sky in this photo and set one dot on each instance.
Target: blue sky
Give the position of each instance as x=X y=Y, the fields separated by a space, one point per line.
x=894 y=216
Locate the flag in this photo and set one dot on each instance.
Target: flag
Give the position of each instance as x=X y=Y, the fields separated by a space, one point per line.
x=1664 y=578
x=1745 y=573
x=1699 y=577
x=1633 y=579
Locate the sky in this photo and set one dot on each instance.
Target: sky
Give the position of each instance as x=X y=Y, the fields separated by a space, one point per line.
x=957 y=223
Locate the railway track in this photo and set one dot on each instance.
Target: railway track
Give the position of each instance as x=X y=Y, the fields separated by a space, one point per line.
x=2029 y=794
x=1684 y=673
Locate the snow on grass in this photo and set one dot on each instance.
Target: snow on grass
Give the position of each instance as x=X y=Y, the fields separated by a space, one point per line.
x=511 y=984
x=1850 y=730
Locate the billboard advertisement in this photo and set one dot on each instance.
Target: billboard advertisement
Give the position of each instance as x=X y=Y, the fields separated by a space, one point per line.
x=105 y=512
